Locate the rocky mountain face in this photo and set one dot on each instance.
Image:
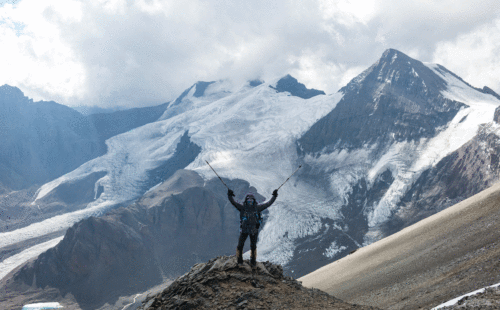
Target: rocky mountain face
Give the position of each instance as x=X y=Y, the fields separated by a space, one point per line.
x=290 y=84
x=221 y=283
x=396 y=99
x=181 y=222
x=109 y=125
x=472 y=168
x=41 y=140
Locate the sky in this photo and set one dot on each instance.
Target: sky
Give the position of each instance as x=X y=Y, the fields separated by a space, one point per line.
x=135 y=53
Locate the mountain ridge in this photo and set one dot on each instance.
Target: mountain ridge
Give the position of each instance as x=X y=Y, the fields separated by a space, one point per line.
x=351 y=183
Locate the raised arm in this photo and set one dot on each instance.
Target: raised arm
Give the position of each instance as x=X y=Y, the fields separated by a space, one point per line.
x=266 y=205
x=230 y=195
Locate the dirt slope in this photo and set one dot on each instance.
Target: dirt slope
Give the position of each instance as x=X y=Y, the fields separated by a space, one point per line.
x=453 y=252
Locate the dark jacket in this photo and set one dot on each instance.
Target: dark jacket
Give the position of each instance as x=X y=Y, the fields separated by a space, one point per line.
x=249 y=225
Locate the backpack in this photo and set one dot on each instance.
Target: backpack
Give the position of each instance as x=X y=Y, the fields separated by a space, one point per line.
x=251 y=218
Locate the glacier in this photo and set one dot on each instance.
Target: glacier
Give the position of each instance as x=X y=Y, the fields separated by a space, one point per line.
x=250 y=133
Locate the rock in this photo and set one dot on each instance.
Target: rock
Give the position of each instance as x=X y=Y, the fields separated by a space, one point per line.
x=222 y=284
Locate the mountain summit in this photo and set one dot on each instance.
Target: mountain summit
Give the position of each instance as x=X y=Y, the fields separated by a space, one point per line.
x=222 y=284
x=396 y=87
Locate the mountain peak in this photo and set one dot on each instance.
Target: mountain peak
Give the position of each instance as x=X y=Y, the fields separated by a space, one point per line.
x=392 y=55
x=487 y=90
x=215 y=283
x=201 y=86
x=399 y=72
x=290 y=84
x=10 y=93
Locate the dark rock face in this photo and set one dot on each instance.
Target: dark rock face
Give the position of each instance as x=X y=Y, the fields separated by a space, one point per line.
x=96 y=258
x=472 y=168
x=200 y=88
x=111 y=124
x=41 y=140
x=139 y=246
x=487 y=90
x=496 y=116
x=291 y=85
x=185 y=152
x=222 y=284
x=396 y=99
x=255 y=83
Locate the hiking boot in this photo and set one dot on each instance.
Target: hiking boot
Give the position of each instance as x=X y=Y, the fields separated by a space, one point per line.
x=253 y=258
x=239 y=255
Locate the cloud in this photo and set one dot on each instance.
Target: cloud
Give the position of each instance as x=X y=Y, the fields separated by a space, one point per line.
x=143 y=52
x=475 y=56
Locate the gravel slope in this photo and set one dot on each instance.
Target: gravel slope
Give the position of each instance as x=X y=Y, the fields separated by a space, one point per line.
x=443 y=256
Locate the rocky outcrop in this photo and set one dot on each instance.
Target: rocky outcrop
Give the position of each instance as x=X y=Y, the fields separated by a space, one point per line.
x=291 y=85
x=222 y=284
x=487 y=90
x=496 y=116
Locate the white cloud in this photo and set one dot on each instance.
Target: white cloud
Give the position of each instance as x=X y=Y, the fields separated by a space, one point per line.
x=475 y=56
x=143 y=52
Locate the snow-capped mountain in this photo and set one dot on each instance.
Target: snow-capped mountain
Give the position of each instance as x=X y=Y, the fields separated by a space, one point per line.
x=363 y=150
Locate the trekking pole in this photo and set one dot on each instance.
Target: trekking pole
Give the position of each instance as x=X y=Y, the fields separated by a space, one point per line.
x=289 y=177
x=217 y=175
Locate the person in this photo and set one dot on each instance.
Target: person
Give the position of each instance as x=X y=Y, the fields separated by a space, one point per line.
x=249 y=223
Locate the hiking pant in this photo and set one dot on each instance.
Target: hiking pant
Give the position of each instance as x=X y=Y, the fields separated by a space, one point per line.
x=243 y=238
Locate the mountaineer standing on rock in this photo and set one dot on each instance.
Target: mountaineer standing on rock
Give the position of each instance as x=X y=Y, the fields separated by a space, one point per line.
x=250 y=220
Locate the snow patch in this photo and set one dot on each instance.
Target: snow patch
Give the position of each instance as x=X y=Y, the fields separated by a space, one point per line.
x=333 y=250
x=43 y=306
x=455 y=300
x=12 y=262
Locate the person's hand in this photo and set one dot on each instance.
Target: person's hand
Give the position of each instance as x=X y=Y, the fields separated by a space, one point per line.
x=275 y=193
x=230 y=193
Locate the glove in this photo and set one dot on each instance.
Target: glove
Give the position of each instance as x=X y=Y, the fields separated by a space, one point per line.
x=275 y=193
x=230 y=193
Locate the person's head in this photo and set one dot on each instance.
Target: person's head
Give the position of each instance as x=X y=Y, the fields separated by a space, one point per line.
x=249 y=199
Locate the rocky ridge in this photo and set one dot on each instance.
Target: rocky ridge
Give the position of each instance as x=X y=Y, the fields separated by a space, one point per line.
x=222 y=284
x=489 y=299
